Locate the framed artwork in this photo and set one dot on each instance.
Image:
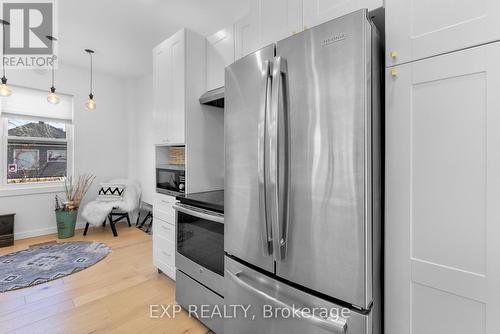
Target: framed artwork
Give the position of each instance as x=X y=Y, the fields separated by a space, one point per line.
x=56 y=155
x=26 y=159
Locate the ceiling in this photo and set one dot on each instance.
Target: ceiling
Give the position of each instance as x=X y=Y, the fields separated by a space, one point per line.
x=123 y=33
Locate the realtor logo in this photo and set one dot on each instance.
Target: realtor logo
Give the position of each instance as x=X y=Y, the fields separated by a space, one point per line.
x=26 y=42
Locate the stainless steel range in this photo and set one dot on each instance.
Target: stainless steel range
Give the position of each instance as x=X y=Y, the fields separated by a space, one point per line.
x=199 y=254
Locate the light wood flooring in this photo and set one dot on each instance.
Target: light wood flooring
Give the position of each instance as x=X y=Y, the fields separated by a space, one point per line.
x=113 y=296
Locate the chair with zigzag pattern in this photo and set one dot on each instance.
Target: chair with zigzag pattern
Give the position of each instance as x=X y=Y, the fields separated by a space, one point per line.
x=113 y=203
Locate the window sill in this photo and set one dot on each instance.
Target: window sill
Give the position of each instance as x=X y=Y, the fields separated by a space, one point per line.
x=31 y=189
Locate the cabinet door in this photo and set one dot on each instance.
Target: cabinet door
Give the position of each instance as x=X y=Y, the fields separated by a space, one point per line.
x=442 y=199
x=169 y=87
x=161 y=81
x=246 y=37
x=278 y=19
x=417 y=29
x=220 y=53
x=176 y=95
x=320 y=11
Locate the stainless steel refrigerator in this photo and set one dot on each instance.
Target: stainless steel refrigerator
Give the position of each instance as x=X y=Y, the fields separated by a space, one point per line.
x=303 y=182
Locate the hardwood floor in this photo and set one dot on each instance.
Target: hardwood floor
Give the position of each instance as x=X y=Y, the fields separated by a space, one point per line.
x=113 y=296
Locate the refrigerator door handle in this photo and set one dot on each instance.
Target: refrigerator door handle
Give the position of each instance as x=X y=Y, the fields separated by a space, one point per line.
x=280 y=106
x=271 y=167
x=263 y=142
x=335 y=324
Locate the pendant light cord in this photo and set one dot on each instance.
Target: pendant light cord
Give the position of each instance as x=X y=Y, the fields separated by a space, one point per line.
x=90 y=73
x=3 y=49
x=53 y=71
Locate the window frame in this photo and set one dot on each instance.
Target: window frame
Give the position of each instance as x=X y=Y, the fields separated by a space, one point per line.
x=7 y=189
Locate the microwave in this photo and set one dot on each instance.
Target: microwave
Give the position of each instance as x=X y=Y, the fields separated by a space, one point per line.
x=170 y=181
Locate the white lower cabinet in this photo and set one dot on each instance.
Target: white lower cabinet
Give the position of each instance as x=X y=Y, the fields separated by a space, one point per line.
x=442 y=211
x=164 y=234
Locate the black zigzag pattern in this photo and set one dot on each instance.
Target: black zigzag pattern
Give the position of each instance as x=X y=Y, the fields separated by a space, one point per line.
x=111 y=191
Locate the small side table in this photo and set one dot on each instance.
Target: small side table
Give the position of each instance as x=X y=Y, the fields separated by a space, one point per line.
x=7 y=230
x=148 y=212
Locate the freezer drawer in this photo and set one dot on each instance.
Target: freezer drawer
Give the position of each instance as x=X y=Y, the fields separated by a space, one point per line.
x=280 y=308
x=191 y=295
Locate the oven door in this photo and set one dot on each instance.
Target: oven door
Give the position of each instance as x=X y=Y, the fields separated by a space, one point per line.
x=200 y=245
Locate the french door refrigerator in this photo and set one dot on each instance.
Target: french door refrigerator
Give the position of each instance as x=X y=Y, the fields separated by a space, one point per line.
x=303 y=183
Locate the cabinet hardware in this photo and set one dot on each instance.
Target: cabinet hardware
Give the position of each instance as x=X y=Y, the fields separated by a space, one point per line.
x=394 y=72
x=394 y=54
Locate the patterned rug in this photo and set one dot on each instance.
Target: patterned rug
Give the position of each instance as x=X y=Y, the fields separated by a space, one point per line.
x=48 y=262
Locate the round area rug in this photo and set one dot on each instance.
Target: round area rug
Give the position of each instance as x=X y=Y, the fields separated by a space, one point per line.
x=46 y=263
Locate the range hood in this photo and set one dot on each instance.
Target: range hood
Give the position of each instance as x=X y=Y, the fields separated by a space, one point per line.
x=213 y=98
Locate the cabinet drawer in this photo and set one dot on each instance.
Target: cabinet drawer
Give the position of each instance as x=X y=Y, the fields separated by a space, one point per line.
x=164 y=198
x=189 y=292
x=164 y=250
x=164 y=229
x=162 y=209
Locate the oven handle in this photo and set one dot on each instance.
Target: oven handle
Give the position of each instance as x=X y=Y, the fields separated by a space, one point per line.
x=198 y=213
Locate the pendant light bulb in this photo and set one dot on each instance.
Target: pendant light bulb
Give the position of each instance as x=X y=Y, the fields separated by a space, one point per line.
x=90 y=104
x=53 y=97
x=4 y=88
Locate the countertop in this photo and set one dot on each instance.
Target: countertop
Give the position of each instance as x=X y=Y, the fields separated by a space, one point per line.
x=209 y=200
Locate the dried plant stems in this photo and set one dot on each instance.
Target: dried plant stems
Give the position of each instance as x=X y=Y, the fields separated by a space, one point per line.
x=76 y=192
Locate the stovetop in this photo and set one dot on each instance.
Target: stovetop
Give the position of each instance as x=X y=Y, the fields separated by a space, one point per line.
x=210 y=200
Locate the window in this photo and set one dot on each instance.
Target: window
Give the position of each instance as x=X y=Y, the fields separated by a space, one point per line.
x=36 y=139
x=36 y=151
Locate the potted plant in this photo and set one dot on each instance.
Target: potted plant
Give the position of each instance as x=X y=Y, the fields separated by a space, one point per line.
x=67 y=211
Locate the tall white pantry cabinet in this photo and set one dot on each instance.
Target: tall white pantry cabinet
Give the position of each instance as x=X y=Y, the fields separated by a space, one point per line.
x=180 y=120
x=442 y=196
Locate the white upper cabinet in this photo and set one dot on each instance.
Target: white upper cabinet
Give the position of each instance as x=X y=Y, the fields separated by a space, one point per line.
x=271 y=21
x=169 y=89
x=161 y=61
x=246 y=36
x=220 y=53
x=278 y=19
x=442 y=191
x=320 y=11
x=417 y=29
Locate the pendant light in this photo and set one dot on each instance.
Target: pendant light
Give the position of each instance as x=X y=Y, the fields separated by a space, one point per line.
x=52 y=97
x=90 y=104
x=4 y=88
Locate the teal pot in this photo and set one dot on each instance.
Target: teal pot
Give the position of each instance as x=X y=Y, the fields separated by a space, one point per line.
x=66 y=221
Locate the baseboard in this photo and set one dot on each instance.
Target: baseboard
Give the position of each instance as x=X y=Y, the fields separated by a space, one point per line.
x=41 y=231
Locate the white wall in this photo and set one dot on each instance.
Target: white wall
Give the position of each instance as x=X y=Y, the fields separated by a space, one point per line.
x=101 y=140
x=141 y=149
